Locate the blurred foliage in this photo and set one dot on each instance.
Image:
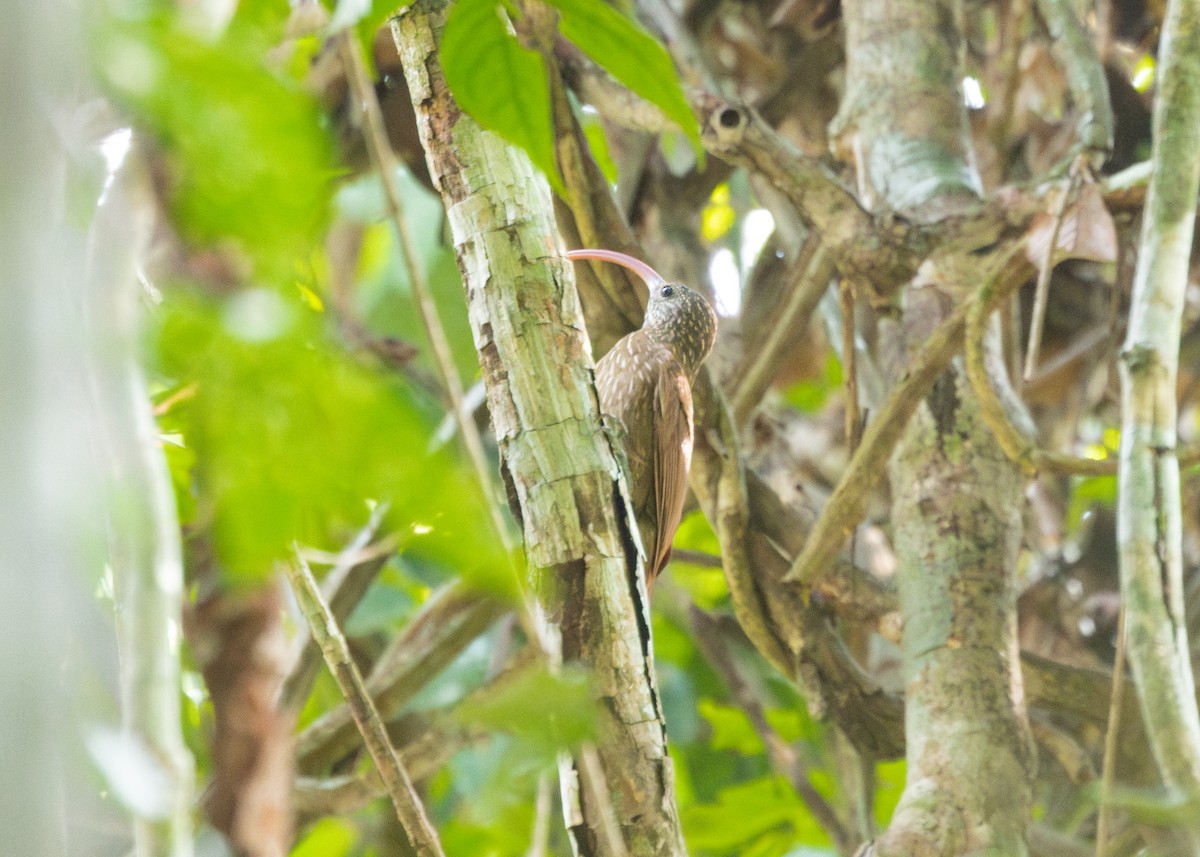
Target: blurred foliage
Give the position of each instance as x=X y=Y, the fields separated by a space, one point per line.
x=291 y=439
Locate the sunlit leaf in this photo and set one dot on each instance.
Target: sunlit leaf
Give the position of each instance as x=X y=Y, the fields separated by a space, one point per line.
x=632 y=56
x=499 y=82
x=249 y=164
x=329 y=837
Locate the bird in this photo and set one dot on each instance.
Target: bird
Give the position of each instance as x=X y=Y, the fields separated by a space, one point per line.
x=644 y=383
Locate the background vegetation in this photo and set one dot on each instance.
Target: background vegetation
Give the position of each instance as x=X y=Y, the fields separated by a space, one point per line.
x=240 y=330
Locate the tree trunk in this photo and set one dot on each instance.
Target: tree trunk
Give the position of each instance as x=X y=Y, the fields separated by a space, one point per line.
x=559 y=465
x=1149 y=511
x=956 y=497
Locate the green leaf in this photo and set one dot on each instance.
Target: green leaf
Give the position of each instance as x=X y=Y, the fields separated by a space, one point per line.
x=731 y=728
x=502 y=85
x=632 y=56
x=329 y=837
x=745 y=812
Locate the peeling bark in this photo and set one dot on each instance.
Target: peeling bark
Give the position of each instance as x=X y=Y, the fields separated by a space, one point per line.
x=559 y=464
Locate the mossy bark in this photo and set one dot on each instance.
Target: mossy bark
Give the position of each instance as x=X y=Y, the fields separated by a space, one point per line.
x=957 y=517
x=1149 y=510
x=956 y=497
x=560 y=465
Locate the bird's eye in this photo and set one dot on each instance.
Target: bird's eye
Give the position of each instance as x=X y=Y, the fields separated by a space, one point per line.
x=666 y=291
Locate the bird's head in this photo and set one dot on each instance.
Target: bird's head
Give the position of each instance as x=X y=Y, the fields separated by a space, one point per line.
x=677 y=316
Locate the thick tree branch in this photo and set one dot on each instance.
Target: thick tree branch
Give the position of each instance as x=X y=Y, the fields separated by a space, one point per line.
x=1150 y=538
x=558 y=463
x=845 y=506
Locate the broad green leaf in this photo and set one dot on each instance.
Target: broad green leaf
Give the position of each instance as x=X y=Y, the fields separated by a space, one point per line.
x=632 y=56
x=502 y=85
x=745 y=812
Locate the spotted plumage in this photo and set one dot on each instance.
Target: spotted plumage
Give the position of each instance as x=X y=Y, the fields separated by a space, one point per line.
x=645 y=384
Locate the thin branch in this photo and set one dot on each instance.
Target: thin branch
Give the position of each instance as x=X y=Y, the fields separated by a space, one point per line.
x=448 y=621
x=429 y=748
x=1008 y=61
x=343 y=587
x=613 y=101
x=409 y=809
x=1064 y=749
x=853 y=418
x=1082 y=346
x=539 y=839
x=808 y=279
x=384 y=160
x=1015 y=444
x=588 y=763
x=845 y=506
x=1110 y=738
x=739 y=136
x=700 y=558
x=717 y=462
x=1054 y=462
x=1075 y=51
x=1149 y=505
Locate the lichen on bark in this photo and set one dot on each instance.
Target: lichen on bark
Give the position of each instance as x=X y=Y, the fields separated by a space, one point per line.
x=559 y=463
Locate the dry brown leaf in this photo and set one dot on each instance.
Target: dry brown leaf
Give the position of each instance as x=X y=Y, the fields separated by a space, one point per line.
x=1087 y=231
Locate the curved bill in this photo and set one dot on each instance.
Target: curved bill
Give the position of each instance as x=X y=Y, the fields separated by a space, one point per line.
x=650 y=276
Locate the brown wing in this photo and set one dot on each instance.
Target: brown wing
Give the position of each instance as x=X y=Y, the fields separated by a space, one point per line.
x=643 y=387
x=625 y=380
x=670 y=459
